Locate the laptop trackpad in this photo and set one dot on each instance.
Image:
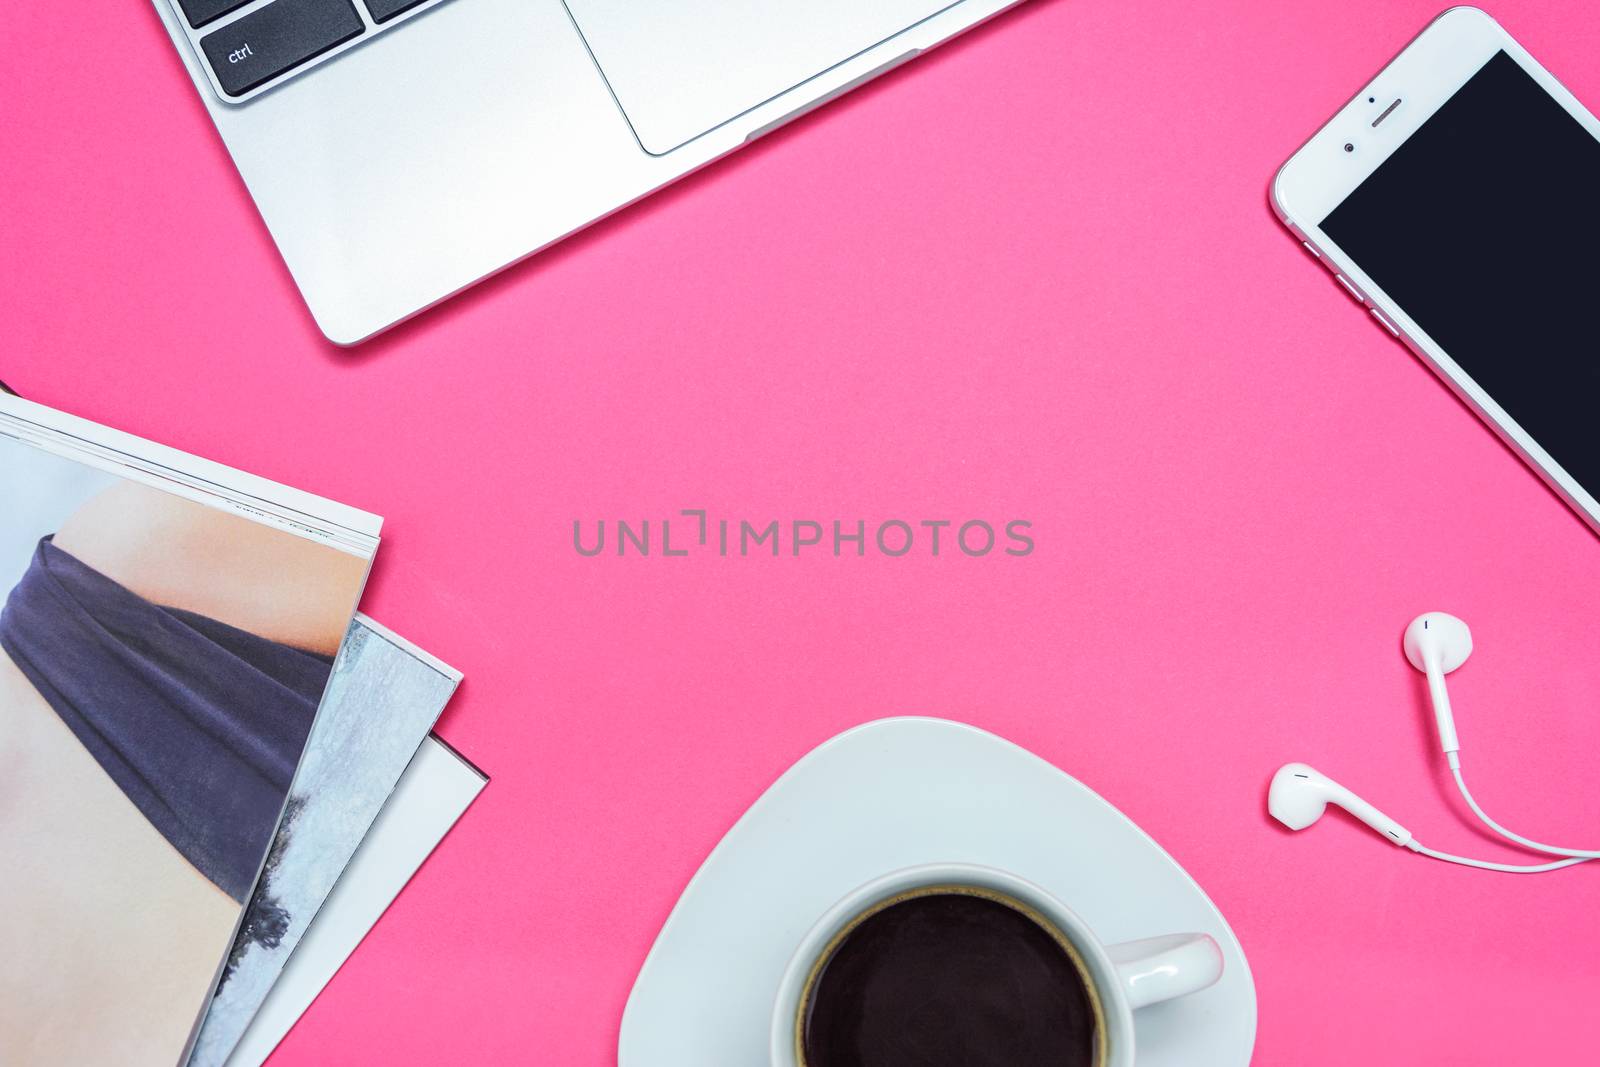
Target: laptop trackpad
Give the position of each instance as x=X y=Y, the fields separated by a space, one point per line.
x=682 y=67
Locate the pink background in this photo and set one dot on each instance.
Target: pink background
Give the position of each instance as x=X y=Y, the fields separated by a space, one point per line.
x=1033 y=275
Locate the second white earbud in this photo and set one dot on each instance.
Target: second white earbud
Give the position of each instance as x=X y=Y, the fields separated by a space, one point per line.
x=1300 y=794
x=1437 y=644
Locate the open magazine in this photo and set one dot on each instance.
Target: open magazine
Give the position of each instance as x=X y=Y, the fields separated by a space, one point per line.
x=168 y=631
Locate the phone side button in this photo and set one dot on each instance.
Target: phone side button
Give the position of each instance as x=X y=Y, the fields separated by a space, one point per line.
x=1355 y=293
x=1312 y=249
x=1387 y=325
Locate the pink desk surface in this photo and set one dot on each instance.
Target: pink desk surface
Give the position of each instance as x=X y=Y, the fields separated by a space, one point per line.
x=1034 y=276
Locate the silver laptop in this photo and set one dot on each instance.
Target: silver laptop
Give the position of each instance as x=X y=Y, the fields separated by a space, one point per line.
x=401 y=150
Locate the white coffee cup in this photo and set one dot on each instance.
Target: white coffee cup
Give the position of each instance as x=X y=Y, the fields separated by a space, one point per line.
x=1123 y=977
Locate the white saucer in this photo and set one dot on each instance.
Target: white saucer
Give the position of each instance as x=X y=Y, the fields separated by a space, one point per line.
x=897 y=793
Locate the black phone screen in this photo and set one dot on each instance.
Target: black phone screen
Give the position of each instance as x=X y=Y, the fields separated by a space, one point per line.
x=1484 y=226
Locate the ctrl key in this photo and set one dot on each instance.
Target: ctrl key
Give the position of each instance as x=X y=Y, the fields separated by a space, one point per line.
x=276 y=38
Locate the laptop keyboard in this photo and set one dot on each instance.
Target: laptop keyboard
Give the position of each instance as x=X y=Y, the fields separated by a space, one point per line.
x=262 y=44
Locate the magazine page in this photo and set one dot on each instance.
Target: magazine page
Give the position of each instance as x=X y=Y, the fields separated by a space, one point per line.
x=433 y=793
x=384 y=697
x=167 y=632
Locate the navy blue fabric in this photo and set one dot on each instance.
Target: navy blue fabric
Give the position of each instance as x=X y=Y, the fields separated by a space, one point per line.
x=199 y=723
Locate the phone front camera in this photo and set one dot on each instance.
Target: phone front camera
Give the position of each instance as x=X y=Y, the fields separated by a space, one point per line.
x=1348 y=147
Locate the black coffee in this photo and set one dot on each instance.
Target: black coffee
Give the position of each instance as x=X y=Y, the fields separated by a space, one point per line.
x=949 y=980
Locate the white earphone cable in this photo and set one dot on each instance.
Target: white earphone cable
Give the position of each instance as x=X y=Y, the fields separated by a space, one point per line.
x=1509 y=868
x=1483 y=816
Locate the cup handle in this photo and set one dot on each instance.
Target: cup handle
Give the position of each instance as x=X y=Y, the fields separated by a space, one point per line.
x=1160 y=968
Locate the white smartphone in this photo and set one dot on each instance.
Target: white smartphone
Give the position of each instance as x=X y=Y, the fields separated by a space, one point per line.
x=1458 y=197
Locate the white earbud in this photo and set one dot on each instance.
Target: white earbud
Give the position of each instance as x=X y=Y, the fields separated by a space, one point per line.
x=1437 y=644
x=1300 y=794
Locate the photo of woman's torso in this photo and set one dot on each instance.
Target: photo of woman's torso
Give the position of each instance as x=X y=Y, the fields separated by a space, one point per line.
x=113 y=935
